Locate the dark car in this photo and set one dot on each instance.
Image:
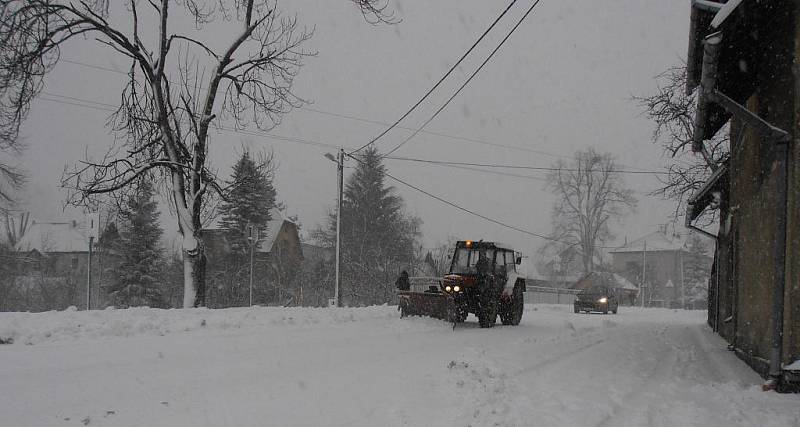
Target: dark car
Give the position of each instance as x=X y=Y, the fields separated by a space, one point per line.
x=597 y=298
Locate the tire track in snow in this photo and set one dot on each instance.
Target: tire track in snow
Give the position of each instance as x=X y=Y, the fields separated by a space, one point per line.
x=641 y=394
x=559 y=358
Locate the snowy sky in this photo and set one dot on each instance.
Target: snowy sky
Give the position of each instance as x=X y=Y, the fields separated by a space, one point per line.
x=563 y=82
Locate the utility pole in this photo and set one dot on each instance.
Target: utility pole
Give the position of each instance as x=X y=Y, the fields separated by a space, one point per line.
x=340 y=165
x=683 y=282
x=89 y=276
x=252 y=236
x=644 y=270
x=93 y=221
x=339 y=159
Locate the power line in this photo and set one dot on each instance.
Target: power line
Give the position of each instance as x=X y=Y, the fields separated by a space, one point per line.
x=364 y=120
x=501 y=166
x=493 y=172
x=338 y=115
x=461 y=208
x=488 y=58
x=479 y=215
x=447 y=74
x=334 y=114
x=101 y=106
x=80 y=102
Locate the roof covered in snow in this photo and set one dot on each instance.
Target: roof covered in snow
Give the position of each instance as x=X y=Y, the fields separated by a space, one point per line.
x=53 y=237
x=274 y=226
x=602 y=278
x=273 y=229
x=654 y=242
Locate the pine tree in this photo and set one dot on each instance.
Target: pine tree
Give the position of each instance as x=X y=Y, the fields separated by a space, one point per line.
x=249 y=201
x=139 y=244
x=251 y=197
x=377 y=235
x=696 y=270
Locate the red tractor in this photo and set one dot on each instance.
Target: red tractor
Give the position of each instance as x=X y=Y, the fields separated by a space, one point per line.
x=483 y=280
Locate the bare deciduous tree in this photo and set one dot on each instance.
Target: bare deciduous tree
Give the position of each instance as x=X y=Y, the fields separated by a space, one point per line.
x=589 y=194
x=179 y=87
x=673 y=111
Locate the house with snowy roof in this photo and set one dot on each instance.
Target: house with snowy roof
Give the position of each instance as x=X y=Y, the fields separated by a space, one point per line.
x=276 y=262
x=657 y=260
x=52 y=259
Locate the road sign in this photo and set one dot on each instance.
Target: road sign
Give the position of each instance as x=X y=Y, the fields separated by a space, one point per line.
x=252 y=233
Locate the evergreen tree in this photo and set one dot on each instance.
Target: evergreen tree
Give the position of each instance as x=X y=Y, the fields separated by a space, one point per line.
x=248 y=202
x=250 y=199
x=139 y=245
x=377 y=235
x=696 y=270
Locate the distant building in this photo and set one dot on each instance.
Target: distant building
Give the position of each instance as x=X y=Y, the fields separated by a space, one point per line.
x=658 y=260
x=51 y=261
x=277 y=260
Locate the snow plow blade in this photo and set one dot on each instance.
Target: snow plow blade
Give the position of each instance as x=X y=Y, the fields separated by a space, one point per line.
x=432 y=304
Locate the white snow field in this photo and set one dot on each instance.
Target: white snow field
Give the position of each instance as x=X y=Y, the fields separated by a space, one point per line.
x=368 y=367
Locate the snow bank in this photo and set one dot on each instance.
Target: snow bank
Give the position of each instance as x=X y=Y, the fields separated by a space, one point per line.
x=367 y=366
x=70 y=325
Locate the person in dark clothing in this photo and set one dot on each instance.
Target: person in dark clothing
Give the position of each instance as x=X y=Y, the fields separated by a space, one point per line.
x=402 y=283
x=482 y=266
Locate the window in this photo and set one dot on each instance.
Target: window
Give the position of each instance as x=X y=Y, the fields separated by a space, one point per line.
x=500 y=264
x=511 y=262
x=464 y=260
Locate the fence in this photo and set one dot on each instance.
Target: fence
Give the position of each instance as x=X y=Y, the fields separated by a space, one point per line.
x=546 y=295
x=422 y=284
x=534 y=294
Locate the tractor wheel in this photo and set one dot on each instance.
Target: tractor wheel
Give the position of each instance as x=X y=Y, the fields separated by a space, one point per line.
x=512 y=313
x=487 y=315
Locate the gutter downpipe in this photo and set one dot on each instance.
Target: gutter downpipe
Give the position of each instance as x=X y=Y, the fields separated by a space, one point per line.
x=691 y=226
x=708 y=83
x=778 y=290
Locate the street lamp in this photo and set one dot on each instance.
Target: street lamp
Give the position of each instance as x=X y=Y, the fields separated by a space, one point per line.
x=340 y=169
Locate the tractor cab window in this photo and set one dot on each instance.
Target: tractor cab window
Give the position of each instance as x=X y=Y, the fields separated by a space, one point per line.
x=500 y=263
x=465 y=260
x=511 y=264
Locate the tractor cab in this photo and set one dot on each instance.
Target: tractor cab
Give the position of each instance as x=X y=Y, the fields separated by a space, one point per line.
x=498 y=261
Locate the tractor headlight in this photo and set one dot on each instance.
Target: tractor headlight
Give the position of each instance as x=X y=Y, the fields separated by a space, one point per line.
x=447 y=288
x=456 y=288
x=603 y=300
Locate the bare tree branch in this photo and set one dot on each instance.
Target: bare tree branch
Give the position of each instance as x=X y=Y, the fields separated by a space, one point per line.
x=673 y=111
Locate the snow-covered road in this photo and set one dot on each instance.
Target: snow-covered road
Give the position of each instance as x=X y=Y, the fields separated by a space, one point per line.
x=368 y=367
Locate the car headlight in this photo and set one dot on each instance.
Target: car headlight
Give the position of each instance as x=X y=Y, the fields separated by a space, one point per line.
x=603 y=300
x=447 y=288
x=456 y=288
